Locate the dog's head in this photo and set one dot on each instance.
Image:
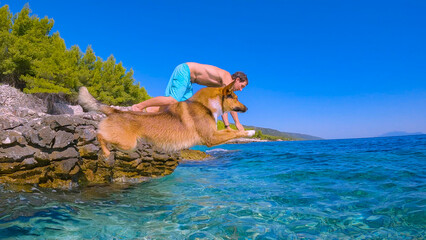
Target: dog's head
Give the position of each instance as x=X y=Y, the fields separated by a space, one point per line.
x=230 y=100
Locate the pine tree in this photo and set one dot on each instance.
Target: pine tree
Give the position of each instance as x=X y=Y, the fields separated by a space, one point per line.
x=6 y=40
x=34 y=60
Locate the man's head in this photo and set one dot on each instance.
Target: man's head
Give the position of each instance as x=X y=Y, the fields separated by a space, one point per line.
x=230 y=99
x=240 y=79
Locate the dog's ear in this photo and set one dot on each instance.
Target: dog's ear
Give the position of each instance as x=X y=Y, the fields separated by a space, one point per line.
x=229 y=88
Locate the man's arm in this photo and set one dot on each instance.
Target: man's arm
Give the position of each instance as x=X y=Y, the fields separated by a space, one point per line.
x=236 y=120
x=225 y=120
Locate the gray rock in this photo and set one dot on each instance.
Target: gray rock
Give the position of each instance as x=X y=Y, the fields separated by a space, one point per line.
x=16 y=153
x=65 y=166
x=63 y=108
x=88 y=150
x=10 y=137
x=67 y=153
x=29 y=161
x=44 y=137
x=85 y=134
x=63 y=139
x=12 y=97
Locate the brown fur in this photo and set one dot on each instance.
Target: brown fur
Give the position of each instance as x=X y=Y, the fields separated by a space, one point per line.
x=178 y=126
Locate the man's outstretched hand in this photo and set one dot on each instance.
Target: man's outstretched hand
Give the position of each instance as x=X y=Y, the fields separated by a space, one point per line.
x=239 y=126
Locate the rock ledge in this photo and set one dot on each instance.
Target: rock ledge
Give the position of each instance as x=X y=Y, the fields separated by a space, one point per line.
x=61 y=151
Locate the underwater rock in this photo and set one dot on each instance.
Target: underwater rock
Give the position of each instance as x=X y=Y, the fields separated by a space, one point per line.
x=195 y=155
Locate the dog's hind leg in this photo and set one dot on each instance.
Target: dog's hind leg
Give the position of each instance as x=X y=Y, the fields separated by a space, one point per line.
x=103 y=145
x=127 y=143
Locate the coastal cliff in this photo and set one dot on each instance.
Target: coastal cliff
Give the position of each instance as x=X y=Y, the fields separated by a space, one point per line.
x=61 y=151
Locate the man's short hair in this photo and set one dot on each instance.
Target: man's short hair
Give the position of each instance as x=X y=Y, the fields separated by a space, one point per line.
x=241 y=75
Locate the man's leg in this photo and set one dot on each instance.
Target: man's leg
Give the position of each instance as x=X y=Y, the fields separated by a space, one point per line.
x=152 y=109
x=179 y=85
x=154 y=102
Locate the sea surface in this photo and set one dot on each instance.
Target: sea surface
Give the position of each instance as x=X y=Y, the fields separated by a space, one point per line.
x=372 y=188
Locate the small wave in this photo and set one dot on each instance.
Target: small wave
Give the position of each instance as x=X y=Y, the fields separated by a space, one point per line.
x=219 y=150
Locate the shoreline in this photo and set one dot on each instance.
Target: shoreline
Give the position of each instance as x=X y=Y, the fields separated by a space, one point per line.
x=249 y=140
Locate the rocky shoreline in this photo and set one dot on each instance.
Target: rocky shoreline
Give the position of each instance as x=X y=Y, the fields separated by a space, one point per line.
x=49 y=143
x=246 y=140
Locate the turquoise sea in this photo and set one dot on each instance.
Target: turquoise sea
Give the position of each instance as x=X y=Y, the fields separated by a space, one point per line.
x=373 y=188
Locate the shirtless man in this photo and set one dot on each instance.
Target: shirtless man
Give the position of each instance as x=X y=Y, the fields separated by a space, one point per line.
x=179 y=87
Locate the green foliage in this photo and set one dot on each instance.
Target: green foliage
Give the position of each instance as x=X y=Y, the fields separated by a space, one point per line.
x=262 y=136
x=34 y=60
x=221 y=125
x=258 y=134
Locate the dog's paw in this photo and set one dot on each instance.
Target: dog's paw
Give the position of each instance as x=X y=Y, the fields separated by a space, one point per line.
x=250 y=133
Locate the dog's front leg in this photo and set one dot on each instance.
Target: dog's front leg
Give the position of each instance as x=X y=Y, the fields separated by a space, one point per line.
x=222 y=136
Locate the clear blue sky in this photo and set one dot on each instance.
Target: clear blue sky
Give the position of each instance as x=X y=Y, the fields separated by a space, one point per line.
x=333 y=69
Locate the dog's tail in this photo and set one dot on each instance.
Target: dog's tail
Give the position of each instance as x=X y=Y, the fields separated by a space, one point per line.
x=89 y=103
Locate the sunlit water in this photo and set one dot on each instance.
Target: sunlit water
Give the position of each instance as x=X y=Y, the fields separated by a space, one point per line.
x=336 y=189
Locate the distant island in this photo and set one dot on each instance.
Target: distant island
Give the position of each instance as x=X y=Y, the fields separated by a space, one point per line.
x=399 y=133
x=269 y=134
x=273 y=132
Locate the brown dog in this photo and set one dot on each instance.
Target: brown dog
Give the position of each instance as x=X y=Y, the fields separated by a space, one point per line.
x=179 y=126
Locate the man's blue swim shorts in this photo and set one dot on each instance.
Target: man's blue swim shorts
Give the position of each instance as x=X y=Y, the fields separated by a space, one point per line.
x=180 y=86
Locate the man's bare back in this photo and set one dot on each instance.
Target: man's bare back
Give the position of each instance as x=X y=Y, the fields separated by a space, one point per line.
x=208 y=75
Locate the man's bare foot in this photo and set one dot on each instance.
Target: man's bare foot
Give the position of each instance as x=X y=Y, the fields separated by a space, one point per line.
x=136 y=108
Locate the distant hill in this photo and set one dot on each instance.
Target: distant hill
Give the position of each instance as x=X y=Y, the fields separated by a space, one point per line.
x=277 y=133
x=399 y=133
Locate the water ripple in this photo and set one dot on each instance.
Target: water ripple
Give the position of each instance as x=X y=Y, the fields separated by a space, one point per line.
x=339 y=189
